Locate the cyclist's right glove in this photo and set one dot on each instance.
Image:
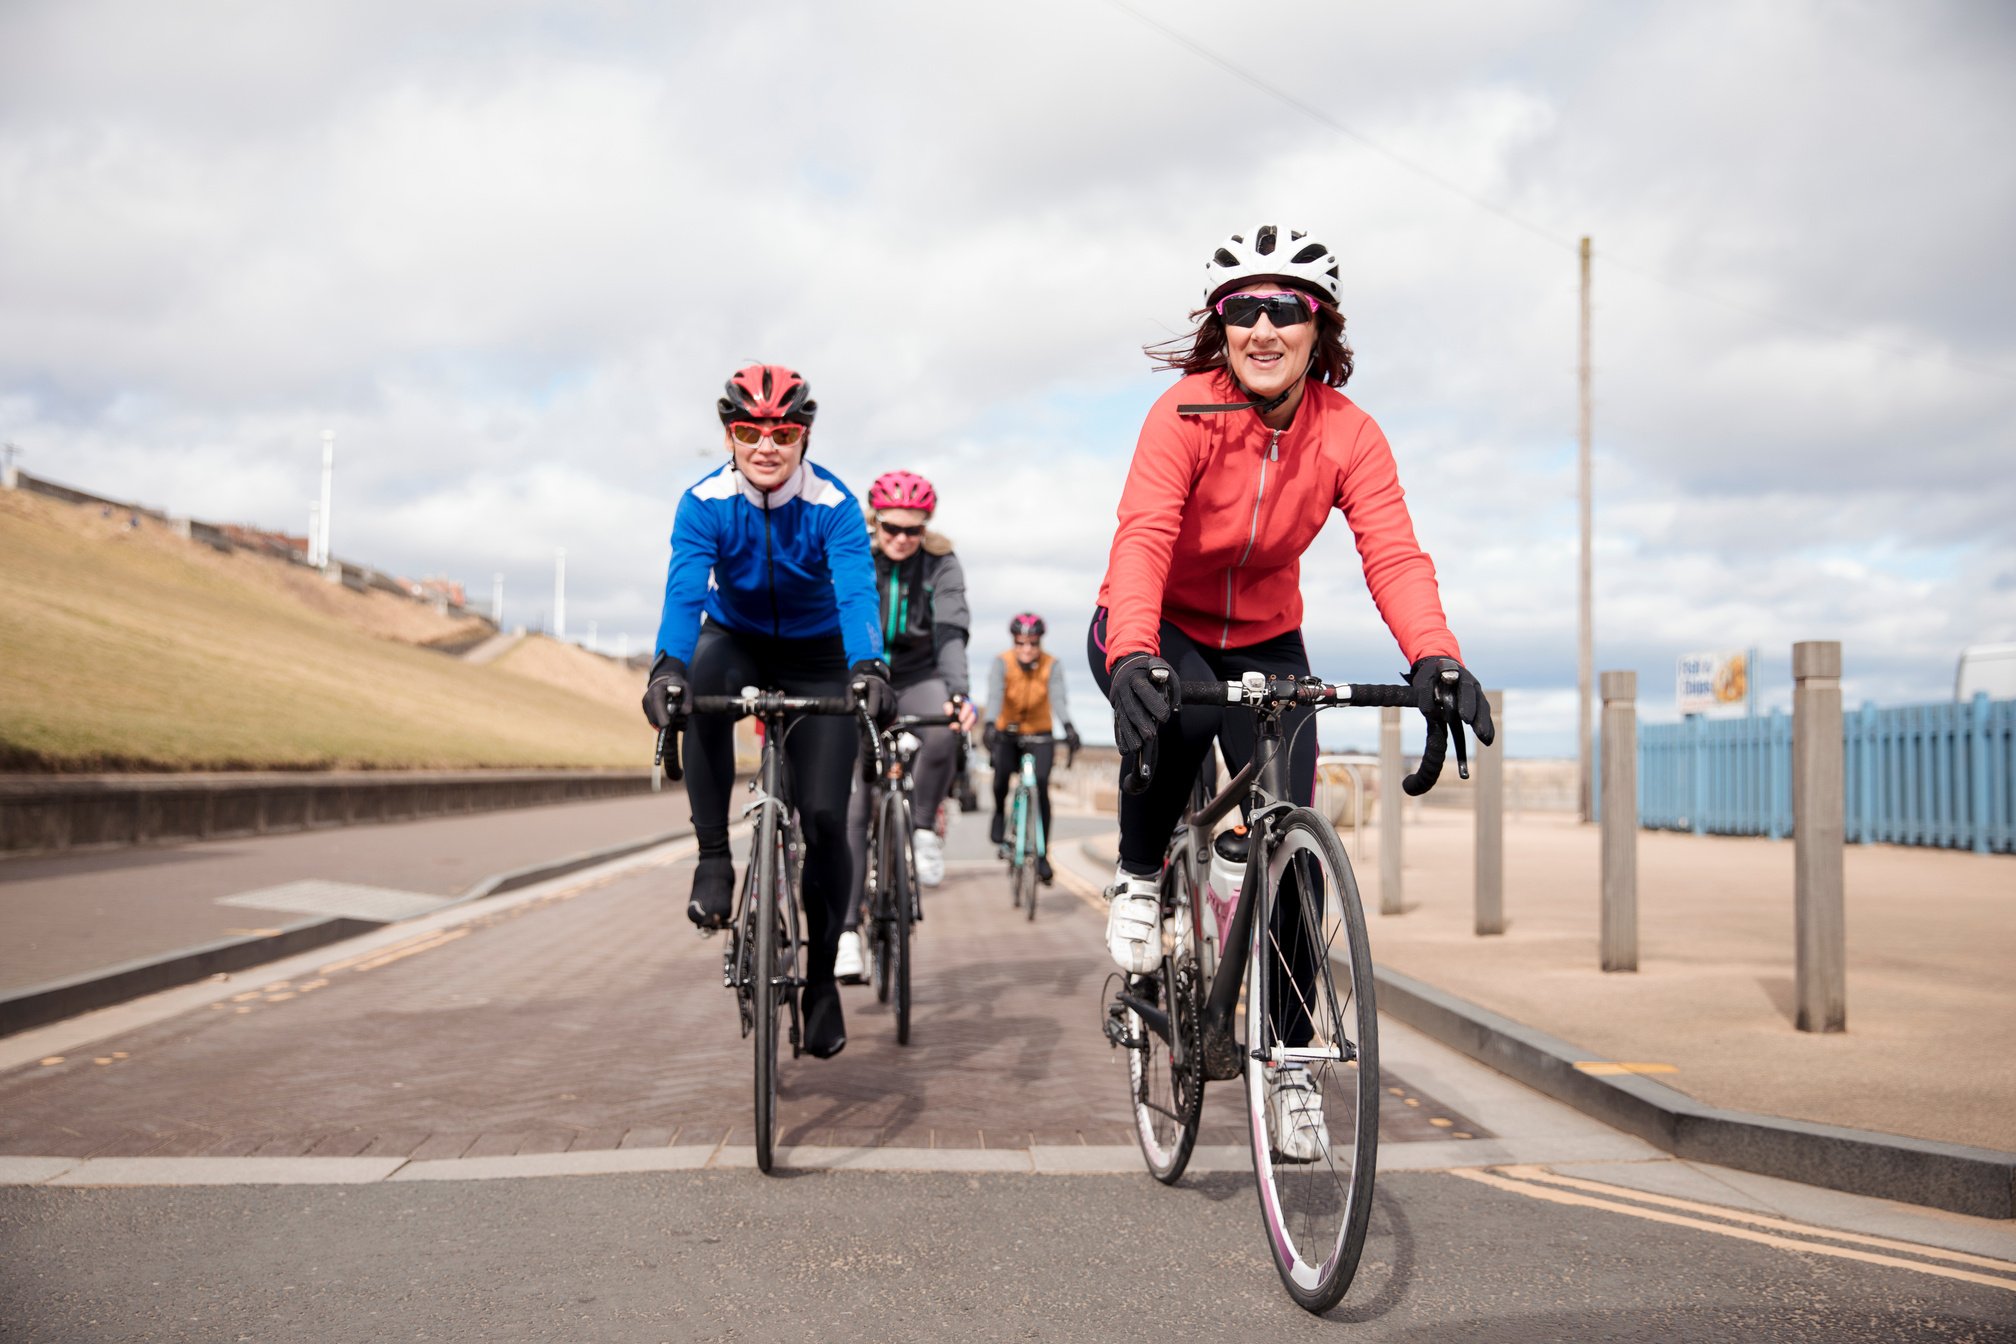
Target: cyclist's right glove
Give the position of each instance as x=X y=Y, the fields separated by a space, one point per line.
x=1470 y=705
x=870 y=679
x=668 y=673
x=1142 y=703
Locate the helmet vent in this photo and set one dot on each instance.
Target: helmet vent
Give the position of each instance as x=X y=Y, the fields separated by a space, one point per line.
x=1263 y=242
x=1225 y=258
x=1309 y=253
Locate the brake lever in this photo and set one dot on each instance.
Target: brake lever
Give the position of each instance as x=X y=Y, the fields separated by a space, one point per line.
x=1456 y=741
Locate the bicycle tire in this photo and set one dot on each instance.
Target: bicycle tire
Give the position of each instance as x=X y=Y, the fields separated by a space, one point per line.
x=1018 y=814
x=875 y=898
x=1314 y=1212
x=1165 y=1078
x=768 y=847
x=896 y=911
x=1025 y=886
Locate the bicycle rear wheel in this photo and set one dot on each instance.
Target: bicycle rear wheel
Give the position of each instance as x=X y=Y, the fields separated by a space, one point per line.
x=1311 y=1026
x=1164 y=1069
x=764 y=988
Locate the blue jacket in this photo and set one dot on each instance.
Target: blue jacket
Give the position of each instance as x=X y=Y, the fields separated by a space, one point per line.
x=793 y=564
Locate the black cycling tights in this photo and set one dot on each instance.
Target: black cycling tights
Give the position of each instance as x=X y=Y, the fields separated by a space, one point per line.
x=820 y=752
x=1007 y=756
x=1148 y=819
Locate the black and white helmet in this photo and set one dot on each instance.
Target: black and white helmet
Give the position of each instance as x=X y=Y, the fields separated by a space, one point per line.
x=1268 y=249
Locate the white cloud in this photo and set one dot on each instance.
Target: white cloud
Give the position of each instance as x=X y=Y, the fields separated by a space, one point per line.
x=509 y=253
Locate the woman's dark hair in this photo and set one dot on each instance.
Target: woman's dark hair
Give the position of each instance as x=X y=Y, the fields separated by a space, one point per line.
x=1204 y=348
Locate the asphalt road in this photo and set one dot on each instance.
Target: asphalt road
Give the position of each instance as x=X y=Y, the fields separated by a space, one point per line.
x=852 y=1256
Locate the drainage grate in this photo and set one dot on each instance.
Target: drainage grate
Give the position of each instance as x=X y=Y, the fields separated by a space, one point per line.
x=317 y=896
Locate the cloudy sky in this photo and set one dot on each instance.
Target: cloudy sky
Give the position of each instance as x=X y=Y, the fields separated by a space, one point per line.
x=509 y=251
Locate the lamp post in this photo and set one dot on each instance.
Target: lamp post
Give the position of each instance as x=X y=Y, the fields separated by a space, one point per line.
x=322 y=550
x=560 y=592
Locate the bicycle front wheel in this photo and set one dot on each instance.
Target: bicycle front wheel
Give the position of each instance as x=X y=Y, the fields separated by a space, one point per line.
x=764 y=989
x=1165 y=1074
x=895 y=916
x=1312 y=1077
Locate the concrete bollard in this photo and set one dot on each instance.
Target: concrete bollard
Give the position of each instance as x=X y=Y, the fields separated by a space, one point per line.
x=1619 y=948
x=1487 y=774
x=1818 y=834
x=1390 y=798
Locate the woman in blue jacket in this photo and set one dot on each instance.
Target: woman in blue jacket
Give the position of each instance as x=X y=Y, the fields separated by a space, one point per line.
x=768 y=548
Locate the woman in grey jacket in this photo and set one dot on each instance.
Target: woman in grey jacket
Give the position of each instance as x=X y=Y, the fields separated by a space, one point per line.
x=925 y=621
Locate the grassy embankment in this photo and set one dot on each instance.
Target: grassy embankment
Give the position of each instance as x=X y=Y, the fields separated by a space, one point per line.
x=136 y=650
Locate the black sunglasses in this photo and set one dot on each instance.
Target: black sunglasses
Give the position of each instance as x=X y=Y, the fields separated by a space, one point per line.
x=891 y=529
x=1284 y=308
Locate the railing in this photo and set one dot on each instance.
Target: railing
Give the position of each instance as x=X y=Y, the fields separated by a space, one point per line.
x=1941 y=775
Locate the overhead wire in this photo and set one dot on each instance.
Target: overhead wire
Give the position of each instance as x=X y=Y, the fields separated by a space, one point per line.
x=1541 y=231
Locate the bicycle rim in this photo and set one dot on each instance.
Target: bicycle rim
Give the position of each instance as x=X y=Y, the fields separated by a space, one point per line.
x=1323 y=1023
x=1026 y=884
x=1017 y=828
x=1168 y=1097
x=876 y=898
x=764 y=985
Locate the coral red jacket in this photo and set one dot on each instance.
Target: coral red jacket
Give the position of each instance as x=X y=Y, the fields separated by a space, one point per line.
x=1219 y=508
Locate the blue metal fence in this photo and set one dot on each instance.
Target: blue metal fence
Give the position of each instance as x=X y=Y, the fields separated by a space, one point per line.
x=1942 y=775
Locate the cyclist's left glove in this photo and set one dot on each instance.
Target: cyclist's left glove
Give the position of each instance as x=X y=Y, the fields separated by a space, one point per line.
x=1071 y=741
x=1466 y=697
x=870 y=681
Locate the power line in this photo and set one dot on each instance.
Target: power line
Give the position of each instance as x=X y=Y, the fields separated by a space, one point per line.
x=1540 y=231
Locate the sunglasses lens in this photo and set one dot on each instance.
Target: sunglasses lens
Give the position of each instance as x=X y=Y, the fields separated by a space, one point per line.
x=1283 y=310
x=746 y=434
x=787 y=436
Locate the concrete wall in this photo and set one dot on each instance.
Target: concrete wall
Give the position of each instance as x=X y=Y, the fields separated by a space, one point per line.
x=49 y=814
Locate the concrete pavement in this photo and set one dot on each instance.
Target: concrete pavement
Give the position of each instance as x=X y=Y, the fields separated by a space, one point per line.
x=1930 y=1049
x=69 y=915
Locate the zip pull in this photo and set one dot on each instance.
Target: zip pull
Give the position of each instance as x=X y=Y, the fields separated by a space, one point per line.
x=1274 y=447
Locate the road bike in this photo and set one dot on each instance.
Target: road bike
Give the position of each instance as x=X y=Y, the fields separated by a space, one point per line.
x=1024 y=841
x=889 y=894
x=1275 y=987
x=764 y=960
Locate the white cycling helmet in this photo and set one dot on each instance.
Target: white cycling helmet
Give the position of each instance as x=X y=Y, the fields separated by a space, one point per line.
x=1267 y=249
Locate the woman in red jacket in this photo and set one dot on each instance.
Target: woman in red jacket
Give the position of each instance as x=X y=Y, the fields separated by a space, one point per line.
x=1237 y=469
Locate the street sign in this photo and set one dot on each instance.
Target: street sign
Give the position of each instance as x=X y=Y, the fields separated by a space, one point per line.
x=1713 y=681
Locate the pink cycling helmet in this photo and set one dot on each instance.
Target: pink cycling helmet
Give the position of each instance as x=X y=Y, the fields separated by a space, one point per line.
x=902 y=490
x=1028 y=623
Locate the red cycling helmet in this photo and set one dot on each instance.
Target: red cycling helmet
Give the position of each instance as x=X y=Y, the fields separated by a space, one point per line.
x=768 y=392
x=902 y=490
x=1028 y=623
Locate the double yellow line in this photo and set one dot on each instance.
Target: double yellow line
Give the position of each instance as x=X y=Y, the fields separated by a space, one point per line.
x=1761 y=1229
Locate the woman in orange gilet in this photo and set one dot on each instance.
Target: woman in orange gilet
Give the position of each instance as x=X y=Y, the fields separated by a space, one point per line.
x=1026 y=688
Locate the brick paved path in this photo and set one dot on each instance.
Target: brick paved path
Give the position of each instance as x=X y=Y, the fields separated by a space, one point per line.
x=596 y=1019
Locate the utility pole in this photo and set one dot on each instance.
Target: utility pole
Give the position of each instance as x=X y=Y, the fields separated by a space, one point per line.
x=1585 y=658
x=322 y=551
x=560 y=592
x=497 y=600
x=314 y=531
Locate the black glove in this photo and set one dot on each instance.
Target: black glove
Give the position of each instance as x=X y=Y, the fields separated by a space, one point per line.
x=1141 y=702
x=1465 y=697
x=990 y=737
x=870 y=680
x=668 y=673
x=1071 y=742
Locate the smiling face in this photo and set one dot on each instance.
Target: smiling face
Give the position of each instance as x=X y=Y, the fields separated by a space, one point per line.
x=1028 y=648
x=899 y=546
x=1267 y=359
x=763 y=464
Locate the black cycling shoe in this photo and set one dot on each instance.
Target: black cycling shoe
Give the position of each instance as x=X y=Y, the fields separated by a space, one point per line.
x=713 y=892
x=1044 y=872
x=825 y=1028
x=997 y=829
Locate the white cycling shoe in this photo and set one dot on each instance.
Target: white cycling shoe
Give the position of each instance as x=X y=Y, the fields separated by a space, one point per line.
x=1134 y=922
x=848 y=966
x=930 y=852
x=1295 y=1116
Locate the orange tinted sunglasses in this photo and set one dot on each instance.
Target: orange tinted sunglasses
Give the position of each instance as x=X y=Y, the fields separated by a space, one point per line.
x=784 y=436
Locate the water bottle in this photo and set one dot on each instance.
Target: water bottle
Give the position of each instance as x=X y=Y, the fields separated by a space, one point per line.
x=1226 y=876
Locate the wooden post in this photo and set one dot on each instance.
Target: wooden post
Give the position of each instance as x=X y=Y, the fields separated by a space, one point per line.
x=1489 y=777
x=1390 y=798
x=1620 y=821
x=1818 y=826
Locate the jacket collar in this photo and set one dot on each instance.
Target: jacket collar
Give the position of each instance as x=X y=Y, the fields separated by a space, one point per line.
x=794 y=486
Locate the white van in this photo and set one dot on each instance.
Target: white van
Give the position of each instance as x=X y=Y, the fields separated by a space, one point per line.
x=1986 y=667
